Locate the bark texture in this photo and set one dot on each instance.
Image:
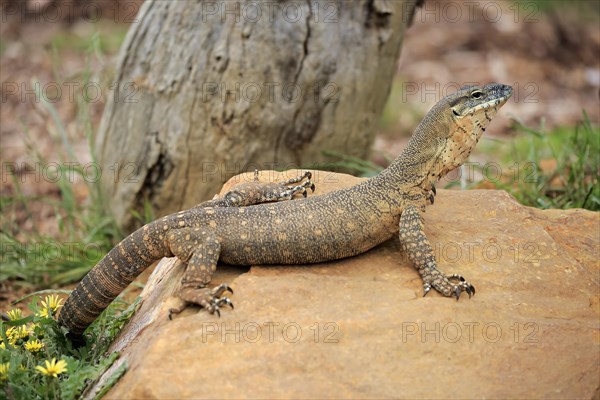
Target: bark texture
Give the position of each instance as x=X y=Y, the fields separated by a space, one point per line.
x=211 y=89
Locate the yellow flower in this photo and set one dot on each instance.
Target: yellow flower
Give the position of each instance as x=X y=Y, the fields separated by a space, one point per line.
x=53 y=368
x=15 y=333
x=3 y=346
x=4 y=371
x=15 y=314
x=33 y=346
x=52 y=302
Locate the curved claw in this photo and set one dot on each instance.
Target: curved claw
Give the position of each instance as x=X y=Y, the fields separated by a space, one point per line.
x=470 y=290
x=426 y=289
x=210 y=299
x=312 y=187
x=431 y=194
x=455 y=285
x=222 y=301
x=216 y=305
x=219 y=290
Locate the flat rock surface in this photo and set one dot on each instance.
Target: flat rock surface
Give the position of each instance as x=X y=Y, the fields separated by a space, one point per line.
x=360 y=328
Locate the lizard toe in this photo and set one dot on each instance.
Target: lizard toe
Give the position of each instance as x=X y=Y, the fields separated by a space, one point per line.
x=426 y=289
x=457 y=292
x=461 y=286
x=216 y=304
x=217 y=291
x=452 y=286
x=472 y=292
x=210 y=299
x=225 y=301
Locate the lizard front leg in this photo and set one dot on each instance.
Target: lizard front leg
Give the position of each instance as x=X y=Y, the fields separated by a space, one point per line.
x=417 y=247
x=256 y=192
x=200 y=250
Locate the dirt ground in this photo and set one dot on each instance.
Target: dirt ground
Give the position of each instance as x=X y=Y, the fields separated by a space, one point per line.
x=552 y=59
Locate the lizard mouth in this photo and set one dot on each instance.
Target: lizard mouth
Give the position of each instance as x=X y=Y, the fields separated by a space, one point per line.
x=494 y=103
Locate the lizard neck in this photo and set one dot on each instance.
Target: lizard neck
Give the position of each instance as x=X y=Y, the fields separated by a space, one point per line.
x=414 y=170
x=445 y=138
x=442 y=142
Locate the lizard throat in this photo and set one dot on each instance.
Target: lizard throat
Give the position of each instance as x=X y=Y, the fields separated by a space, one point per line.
x=463 y=138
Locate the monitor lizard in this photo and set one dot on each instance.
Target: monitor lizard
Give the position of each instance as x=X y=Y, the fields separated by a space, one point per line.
x=248 y=226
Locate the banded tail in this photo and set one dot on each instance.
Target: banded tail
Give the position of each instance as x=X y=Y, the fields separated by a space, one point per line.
x=113 y=274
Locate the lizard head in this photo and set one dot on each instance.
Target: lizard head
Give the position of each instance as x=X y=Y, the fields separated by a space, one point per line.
x=457 y=123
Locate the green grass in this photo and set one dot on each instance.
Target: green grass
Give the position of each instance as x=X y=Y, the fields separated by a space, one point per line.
x=30 y=342
x=35 y=260
x=558 y=169
x=31 y=259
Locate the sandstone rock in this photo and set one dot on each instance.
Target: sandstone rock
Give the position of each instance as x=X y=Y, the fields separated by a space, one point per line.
x=360 y=328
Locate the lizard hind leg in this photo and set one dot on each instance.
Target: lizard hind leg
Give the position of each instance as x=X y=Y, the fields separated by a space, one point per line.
x=287 y=194
x=417 y=247
x=200 y=250
x=256 y=192
x=284 y=190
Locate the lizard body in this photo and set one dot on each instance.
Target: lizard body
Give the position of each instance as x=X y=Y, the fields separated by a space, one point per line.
x=236 y=230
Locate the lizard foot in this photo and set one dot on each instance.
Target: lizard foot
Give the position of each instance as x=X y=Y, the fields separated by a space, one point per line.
x=256 y=192
x=431 y=193
x=208 y=298
x=290 y=191
x=444 y=285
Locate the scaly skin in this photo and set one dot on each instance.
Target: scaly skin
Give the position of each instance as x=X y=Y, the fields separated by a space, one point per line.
x=242 y=229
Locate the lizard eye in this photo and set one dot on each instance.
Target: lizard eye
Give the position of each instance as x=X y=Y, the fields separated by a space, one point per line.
x=477 y=94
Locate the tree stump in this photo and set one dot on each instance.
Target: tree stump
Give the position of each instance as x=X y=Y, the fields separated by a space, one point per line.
x=207 y=90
